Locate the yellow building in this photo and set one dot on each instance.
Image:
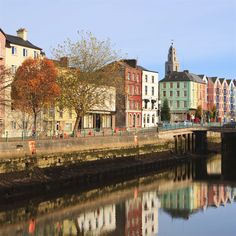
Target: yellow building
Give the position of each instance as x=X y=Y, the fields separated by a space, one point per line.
x=17 y=49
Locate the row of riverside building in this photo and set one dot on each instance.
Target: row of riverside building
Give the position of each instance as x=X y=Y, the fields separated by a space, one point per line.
x=139 y=107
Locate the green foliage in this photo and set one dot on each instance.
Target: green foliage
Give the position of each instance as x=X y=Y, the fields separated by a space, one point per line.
x=165 y=111
x=198 y=113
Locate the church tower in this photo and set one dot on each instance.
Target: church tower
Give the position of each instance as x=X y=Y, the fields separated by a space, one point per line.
x=172 y=63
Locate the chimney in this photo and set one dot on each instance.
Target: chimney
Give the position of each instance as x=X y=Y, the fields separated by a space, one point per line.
x=131 y=62
x=22 y=33
x=64 y=62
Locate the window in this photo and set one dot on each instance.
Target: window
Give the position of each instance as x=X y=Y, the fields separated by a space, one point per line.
x=88 y=121
x=24 y=124
x=128 y=76
x=171 y=93
x=164 y=85
x=146 y=78
x=13 y=50
x=177 y=104
x=25 y=52
x=35 y=54
x=148 y=118
x=153 y=105
x=164 y=93
x=144 y=118
x=51 y=112
x=13 y=125
x=171 y=85
x=137 y=77
x=152 y=91
x=146 y=90
x=153 y=79
x=185 y=84
x=61 y=113
x=70 y=114
x=133 y=77
x=177 y=93
x=177 y=84
x=185 y=93
x=145 y=104
x=138 y=120
x=153 y=118
x=171 y=103
x=185 y=103
x=13 y=69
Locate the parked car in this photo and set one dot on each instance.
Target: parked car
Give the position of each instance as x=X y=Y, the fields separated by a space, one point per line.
x=231 y=124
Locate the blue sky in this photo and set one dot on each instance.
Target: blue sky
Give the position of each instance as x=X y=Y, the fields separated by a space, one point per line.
x=204 y=31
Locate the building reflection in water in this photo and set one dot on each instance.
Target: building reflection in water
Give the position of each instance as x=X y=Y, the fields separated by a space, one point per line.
x=130 y=211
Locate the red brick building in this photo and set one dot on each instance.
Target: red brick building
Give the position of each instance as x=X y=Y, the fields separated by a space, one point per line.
x=129 y=101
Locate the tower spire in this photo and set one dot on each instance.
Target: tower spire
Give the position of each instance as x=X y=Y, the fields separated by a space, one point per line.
x=172 y=63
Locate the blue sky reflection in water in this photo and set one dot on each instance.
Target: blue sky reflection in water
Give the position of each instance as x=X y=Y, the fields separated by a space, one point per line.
x=213 y=221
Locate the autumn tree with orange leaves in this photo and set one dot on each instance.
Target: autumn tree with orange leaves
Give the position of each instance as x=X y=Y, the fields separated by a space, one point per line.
x=34 y=86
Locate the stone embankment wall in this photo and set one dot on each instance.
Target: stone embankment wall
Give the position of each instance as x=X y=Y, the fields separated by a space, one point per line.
x=17 y=156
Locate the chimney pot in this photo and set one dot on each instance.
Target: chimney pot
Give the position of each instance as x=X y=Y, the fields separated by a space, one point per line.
x=22 y=33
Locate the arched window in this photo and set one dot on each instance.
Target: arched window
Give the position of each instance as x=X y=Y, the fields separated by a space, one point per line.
x=134 y=120
x=148 y=118
x=130 y=120
x=138 y=120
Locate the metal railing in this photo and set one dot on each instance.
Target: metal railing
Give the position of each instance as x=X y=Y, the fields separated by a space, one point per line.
x=27 y=135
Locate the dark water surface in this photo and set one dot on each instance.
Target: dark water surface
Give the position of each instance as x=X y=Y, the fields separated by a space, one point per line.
x=195 y=198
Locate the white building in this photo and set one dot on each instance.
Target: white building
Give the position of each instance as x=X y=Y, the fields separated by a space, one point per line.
x=99 y=221
x=150 y=206
x=18 y=48
x=149 y=98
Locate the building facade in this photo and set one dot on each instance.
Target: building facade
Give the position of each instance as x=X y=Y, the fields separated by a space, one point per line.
x=149 y=98
x=17 y=49
x=129 y=95
x=185 y=92
x=58 y=120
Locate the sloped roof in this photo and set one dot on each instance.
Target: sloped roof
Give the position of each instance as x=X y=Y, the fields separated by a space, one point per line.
x=2 y=31
x=142 y=68
x=228 y=81
x=213 y=79
x=221 y=80
x=182 y=76
x=19 y=41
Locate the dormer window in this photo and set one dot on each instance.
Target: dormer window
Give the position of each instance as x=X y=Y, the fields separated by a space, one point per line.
x=25 y=52
x=13 y=50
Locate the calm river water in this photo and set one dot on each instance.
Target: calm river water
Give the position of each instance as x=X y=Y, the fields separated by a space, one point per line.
x=195 y=198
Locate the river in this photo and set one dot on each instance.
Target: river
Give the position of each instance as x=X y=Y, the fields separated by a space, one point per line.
x=195 y=198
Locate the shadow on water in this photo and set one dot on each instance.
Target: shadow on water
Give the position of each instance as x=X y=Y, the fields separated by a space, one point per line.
x=129 y=208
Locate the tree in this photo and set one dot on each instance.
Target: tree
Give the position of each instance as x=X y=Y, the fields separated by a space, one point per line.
x=34 y=87
x=84 y=86
x=198 y=113
x=5 y=84
x=165 y=111
x=213 y=112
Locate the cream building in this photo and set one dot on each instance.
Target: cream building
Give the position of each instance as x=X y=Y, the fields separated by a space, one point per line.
x=98 y=222
x=149 y=98
x=150 y=207
x=18 y=48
